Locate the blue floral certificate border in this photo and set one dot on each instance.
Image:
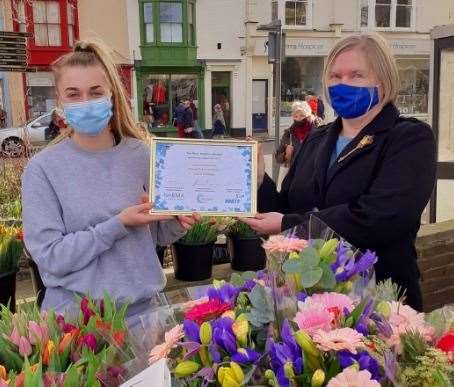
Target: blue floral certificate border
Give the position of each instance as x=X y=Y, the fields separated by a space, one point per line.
x=247 y=206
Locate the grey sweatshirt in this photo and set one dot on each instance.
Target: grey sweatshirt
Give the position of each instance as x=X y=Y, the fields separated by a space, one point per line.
x=71 y=201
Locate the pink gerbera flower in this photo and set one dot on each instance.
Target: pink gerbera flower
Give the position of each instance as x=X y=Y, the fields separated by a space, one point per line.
x=334 y=301
x=283 y=244
x=171 y=338
x=311 y=320
x=207 y=311
x=338 y=340
x=353 y=378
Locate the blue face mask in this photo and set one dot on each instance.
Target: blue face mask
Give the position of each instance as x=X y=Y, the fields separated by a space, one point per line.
x=352 y=101
x=89 y=117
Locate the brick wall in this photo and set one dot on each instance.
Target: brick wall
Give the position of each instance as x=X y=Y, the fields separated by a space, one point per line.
x=435 y=246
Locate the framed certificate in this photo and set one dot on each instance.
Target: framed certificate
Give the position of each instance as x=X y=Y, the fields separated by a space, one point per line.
x=205 y=176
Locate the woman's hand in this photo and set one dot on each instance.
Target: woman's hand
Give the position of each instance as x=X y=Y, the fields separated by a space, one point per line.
x=265 y=224
x=139 y=215
x=187 y=221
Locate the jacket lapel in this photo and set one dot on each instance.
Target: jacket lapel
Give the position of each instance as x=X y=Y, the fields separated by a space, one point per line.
x=364 y=141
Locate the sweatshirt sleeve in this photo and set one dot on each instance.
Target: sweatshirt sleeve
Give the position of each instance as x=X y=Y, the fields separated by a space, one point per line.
x=55 y=250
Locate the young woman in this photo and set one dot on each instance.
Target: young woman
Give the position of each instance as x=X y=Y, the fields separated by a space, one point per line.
x=369 y=174
x=86 y=216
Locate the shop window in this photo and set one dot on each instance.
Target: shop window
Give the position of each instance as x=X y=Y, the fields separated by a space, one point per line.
x=161 y=95
x=171 y=20
x=148 y=21
x=301 y=77
x=297 y=12
x=46 y=19
x=387 y=14
x=414 y=86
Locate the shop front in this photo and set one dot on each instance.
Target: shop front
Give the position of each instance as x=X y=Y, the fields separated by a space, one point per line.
x=161 y=90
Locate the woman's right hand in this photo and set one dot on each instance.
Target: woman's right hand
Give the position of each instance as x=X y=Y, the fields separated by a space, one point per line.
x=139 y=215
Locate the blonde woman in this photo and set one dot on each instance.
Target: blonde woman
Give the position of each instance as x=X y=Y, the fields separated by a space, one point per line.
x=86 y=217
x=369 y=174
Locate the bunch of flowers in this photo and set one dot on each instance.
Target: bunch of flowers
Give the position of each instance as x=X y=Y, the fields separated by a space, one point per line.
x=328 y=335
x=43 y=349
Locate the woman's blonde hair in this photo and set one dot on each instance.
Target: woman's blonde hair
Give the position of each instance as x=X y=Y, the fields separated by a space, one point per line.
x=93 y=53
x=379 y=57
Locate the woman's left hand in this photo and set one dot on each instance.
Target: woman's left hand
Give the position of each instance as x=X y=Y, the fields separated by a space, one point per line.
x=265 y=224
x=187 y=221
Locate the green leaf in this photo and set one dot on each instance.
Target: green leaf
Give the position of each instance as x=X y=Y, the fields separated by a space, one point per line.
x=292 y=266
x=237 y=280
x=328 y=280
x=318 y=243
x=262 y=307
x=310 y=257
x=311 y=277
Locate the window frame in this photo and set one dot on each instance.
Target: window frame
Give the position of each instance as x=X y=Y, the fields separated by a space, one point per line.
x=281 y=15
x=392 y=22
x=64 y=26
x=186 y=38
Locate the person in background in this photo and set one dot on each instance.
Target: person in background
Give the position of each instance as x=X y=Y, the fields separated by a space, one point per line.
x=368 y=175
x=303 y=123
x=184 y=119
x=218 y=122
x=53 y=130
x=86 y=214
x=197 y=130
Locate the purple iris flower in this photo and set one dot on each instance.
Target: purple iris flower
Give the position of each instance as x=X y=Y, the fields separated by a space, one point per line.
x=341 y=256
x=363 y=359
x=249 y=285
x=301 y=296
x=227 y=293
x=286 y=352
x=361 y=324
x=383 y=326
x=191 y=347
x=223 y=335
x=215 y=354
x=246 y=356
x=367 y=260
x=191 y=330
x=349 y=265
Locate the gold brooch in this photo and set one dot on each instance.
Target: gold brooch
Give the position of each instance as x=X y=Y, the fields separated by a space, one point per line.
x=365 y=141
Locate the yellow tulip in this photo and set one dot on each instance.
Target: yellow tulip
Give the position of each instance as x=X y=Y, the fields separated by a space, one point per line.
x=237 y=372
x=318 y=378
x=3 y=373
x=229 y=381
x=205 y=333
x=241 y=329
x=186 y=368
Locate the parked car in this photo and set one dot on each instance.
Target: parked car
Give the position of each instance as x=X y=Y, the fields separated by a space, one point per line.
x=15 y=141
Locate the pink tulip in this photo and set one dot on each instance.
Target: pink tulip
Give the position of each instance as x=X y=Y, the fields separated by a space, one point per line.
x=15 y=336
x=89 y=341
x=64 y=326
x=25 y=349
x=35 y=333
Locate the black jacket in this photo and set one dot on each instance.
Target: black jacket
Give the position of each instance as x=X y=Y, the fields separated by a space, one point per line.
x=374 y=197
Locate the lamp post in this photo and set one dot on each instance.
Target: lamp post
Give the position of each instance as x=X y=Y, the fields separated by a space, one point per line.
x=276 y=46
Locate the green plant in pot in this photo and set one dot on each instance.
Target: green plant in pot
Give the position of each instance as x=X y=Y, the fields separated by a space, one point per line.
x=11 y=249
x=193 y=253
x=245 y=247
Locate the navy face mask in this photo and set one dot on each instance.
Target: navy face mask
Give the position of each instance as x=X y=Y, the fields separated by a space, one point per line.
x=352 y=101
